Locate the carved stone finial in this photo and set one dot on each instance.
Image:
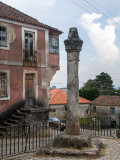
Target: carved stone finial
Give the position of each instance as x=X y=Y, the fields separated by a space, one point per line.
x=73 y=43
x=73 y=34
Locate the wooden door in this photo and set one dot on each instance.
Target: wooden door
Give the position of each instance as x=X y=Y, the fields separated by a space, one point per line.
x=29 y=88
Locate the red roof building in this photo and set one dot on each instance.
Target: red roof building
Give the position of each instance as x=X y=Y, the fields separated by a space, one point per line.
x=107 y=100
x=58 y=104
x=59 y=96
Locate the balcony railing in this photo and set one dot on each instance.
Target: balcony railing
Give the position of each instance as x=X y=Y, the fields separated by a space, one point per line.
x=30 y=58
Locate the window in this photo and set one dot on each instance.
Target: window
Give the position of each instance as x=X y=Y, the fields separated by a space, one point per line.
x=54 y=45
x=29 y=46
x=30 y=54
x=112 y=110
x=3 y=36
x=3 y=84
x=29 y=43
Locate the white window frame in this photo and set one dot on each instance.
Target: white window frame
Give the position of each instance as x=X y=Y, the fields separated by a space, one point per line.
x=54 y=44
x=7 y=72
x=7 y=47
x=23 y=38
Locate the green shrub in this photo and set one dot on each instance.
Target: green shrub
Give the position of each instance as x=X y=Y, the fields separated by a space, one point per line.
x=65 y=116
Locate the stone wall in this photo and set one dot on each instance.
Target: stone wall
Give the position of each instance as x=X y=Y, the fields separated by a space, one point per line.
x=57 y=111
x=60 y=111
x=105 y=111
x=37 y=116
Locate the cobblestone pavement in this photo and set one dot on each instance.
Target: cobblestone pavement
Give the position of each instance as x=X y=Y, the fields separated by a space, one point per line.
x=111 y=152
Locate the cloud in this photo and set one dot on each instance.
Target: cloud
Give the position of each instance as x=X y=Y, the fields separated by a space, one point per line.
x=93 y=58
x=60 y=79
x=31 y=7
x=82 y=69
x=114 y=21
x=103 y=39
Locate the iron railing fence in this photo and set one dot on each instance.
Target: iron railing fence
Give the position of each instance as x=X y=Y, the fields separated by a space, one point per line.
x=99 y=126
x=30 y=56
x=21 y=138
x=27 y=137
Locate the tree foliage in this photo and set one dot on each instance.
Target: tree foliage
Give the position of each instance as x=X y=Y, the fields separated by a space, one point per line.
x=101 y=85
x=90 y=93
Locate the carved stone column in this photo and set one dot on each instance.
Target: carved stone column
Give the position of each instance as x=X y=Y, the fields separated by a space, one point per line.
x=73 y=46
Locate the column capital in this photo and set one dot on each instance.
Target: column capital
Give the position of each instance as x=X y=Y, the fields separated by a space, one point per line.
x=73 y=43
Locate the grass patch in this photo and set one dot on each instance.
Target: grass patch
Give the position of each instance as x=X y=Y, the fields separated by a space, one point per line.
x=102 y=146
x=91 y=119
x=79 y=147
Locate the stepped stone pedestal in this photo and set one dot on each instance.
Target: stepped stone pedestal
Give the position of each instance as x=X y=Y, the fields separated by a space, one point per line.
x=74 y=141
x=72 y=145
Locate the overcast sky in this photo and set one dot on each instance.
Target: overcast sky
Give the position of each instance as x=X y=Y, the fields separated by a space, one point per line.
x=98 y=24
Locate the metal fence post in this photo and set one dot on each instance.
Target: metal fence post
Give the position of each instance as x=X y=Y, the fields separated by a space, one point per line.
x=2 y=145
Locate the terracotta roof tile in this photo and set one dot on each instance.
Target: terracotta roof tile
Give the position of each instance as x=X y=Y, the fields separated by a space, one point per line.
x=11 y=13
x=59 y=96
x=107 y=101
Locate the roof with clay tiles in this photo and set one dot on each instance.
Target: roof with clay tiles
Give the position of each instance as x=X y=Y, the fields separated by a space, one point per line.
x=11 y=13
x=59 y=96
x=107 y=100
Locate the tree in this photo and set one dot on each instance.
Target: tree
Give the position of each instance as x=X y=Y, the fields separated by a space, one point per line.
x=102 y=83
x=90 y=93
x=117 y=92
x=89 y=84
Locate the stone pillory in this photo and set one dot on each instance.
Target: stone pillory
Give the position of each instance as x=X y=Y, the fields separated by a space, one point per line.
x=73 y=46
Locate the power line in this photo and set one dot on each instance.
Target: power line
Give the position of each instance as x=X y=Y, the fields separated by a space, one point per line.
x=107 y=11
x=85 y=82
x=91 y=52
x=93 y=9
x=104 y=8
x=99 y=11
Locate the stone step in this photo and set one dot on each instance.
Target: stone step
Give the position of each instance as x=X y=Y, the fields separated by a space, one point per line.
x=90 y=151
x=13 y=121
x=31 y=109
x=19 y=113
x=25 y=110
x=7 y=124
x=2 y=129
x=16 y=117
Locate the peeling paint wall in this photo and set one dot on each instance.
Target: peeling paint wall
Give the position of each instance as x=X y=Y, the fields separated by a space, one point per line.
x=10 y=32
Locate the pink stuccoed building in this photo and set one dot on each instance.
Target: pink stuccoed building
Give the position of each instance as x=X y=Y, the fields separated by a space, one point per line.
x=29 y=58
